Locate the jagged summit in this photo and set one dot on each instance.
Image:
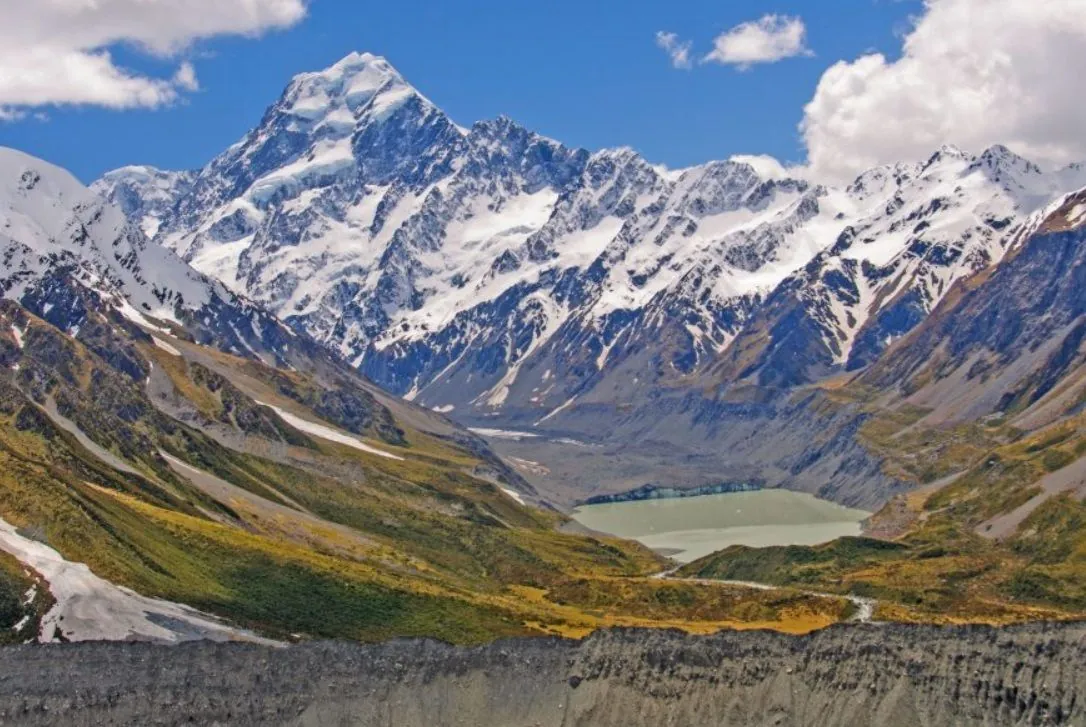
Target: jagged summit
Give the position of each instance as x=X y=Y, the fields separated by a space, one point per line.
x=66 y=249
x=356 y=73
x=48 y=216
x=494 y=270
x=360 y=85
x=353 y=63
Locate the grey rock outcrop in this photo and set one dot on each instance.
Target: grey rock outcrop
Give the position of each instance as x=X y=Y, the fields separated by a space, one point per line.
x=870 y=675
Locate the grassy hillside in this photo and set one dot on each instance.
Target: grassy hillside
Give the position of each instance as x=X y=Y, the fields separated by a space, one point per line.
x=174 y=469
x=166 y=468
x=994 y=531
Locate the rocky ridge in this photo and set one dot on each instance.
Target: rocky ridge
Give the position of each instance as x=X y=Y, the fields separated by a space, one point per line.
x=66 y=249
x=878 y=675
x=490 y=271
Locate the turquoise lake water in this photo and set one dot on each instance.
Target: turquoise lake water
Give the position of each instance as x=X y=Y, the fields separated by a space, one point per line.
x=691 y=527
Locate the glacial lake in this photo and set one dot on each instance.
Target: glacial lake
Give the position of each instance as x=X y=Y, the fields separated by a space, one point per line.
x=688 y=528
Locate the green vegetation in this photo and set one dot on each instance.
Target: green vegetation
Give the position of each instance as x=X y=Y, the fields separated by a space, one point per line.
x=24 y=599
x=1052 y=543
x=795 y=565
x=293 y=535
x=299 y=537
x=945 y=562
x=663 y=600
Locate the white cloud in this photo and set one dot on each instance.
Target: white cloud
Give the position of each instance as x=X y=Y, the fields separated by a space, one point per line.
x=677 y=50
x=972 y=73
x=768 y=40
x=185 y=77
x=769 y=167
x=56 y=52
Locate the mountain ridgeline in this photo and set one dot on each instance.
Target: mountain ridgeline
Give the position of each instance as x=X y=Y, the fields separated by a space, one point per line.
x=685 y=323
x=230 y=393
x=490 y=271
x=178 y=465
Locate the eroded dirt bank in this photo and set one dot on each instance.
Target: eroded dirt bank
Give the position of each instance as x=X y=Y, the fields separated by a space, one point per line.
x=854 y=674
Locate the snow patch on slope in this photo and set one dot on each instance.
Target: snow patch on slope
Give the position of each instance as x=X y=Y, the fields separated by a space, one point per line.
x=514 y=495
x=325 y=432
x=89 y=608
x=159 y=343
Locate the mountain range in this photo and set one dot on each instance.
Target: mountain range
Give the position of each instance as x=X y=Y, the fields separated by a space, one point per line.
x=176 y=464
x=495 y=273
x=515 y=283
x=230 y=393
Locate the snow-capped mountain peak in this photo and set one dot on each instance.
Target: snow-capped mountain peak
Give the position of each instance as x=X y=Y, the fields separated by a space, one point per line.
x=359 y=87
x=46 y=216
x=914 y=230
x=67 y=249
x=492 y=268
x=145 y=194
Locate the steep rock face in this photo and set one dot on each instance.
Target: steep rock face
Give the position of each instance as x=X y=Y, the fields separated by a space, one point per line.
x=62 y=242
x=144 y=194
x=491 y=271
x=897 y=676
x=449 y=263
x=1009 y=336
x=937 y=223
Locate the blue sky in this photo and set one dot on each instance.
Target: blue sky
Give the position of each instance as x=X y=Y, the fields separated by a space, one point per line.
x=586 y=73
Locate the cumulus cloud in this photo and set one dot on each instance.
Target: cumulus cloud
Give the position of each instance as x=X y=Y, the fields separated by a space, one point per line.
x=769 y=167
x=185 y=78
x=972 y=73
x=768 y=40
x=677 y=50
x=56 y=52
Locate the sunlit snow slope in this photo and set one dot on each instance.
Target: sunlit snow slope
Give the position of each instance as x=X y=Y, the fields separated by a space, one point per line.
x=490 y=270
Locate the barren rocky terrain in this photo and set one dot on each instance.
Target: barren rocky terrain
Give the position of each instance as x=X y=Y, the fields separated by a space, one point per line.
x=862 y=675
